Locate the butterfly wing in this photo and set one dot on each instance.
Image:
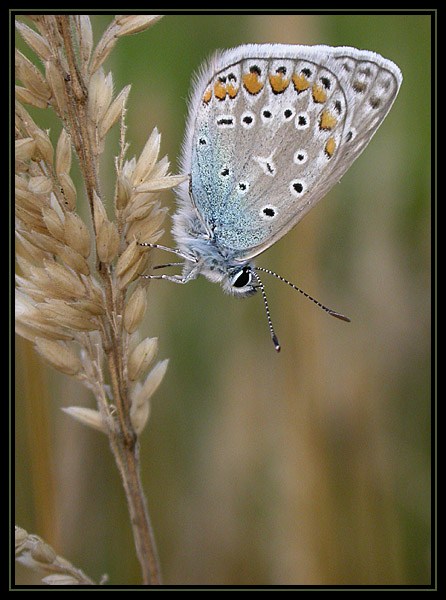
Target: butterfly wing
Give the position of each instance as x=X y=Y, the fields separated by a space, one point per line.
x=272 y=128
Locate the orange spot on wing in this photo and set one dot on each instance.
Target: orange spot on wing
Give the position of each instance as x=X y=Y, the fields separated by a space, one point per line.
x=330 y=147
x=231 y=90
x=252 y=83
x=319 y=94
x=300 y=82
x=207 y=95
x=279 y=83
x=328 y=121
x=219 y=90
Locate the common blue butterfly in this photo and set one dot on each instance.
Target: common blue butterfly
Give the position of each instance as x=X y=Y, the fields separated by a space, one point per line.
x=271 y=129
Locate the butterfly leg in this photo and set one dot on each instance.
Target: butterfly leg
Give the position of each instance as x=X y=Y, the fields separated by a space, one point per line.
x=173 y=250
x=173 y=278
x=167 y=265
x=193 y=274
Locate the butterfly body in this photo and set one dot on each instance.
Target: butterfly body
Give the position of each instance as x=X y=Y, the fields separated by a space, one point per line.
x=204 y=253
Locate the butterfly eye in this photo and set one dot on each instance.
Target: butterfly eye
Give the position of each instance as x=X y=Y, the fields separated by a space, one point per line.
x=242 y=278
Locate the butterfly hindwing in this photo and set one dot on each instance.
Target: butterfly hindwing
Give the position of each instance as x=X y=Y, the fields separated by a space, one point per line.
x=273 y=128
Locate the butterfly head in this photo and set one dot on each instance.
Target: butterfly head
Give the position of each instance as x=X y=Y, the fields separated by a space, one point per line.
x=235 y=279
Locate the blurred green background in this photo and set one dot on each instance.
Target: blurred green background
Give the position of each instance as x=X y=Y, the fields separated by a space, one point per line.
x=309 y=467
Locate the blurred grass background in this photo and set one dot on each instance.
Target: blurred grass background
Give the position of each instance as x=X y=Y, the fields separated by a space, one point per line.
x=309 y=467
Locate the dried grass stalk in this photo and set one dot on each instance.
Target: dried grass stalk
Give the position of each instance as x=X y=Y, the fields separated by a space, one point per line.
x=33 y=552
x=75 y=300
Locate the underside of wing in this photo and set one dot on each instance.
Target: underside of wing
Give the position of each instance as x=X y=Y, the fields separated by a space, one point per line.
x=272 y=128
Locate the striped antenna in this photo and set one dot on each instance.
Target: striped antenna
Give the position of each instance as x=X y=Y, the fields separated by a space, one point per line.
x=268 y=316
x=327 y=310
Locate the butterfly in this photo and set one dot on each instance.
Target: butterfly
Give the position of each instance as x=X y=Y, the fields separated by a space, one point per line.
x=271 y=129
